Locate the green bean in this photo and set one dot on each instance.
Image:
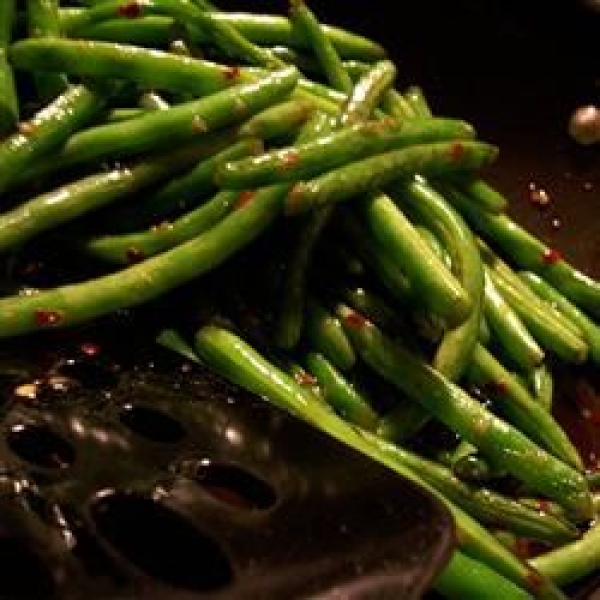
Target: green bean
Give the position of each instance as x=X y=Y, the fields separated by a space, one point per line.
x=402 y=422
x=308 y=26
x=514 y=401
x=512 y=334
x=9 y=106
x=550 y=295
x=121 y=249
x=327 y=336
x=415 y=97
x=337 y=148
x=466 y=579
x=225 y=36
x=344 y=397
x=79 y=302
x=429 y=279
x=152 y=69
x=278 y=120
x=572 y=561
x=235 y=360
x=434 y=243
x=457 y=345
x=469 y=465
x=172 y=340
x=70 y=201
x=180 y=194
x=503 y=443
x=152 y=101
x=477 y=191
x=290 y=317
x=531 y=254
x=263 y=29
x=435 y=158
x=42 y=17
x=547 y=330
x=47 y=131
x=179 y=124
x=488 y=506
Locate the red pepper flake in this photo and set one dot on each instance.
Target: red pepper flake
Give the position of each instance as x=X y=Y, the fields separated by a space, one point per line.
x=232 y=73
x=134 y=255
x=355 y=319
x=130 y=10
x=534 y=580
x=456 y=151
x=551 y=256
x=499 y=387
x=90 y=348
x=289 y=159
x=543 y=505
x=305 y=379
x=47 y=318
x=244 y=198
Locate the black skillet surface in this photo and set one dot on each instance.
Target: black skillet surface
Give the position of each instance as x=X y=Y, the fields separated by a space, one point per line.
x=128 y=474
x=124 y=481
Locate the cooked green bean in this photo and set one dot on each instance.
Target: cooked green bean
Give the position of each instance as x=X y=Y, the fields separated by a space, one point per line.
x=477 y=191
x=308 y=26
x=234 y=359
x=263 y=29
x=327 y=336
x=43 y=22
x=47 y=131
x=337 y=148
x=531 y=254
x=456 y=348
x=70 y=201
x=122 y=249
x=427 y=276
x=589 y=329
x=278 y=120
x=178 y=124
x=9 y=106
x=512 y=334
x=449 y=403
x=519 y=407
x=153 y=69
x=344 y=397
x=353 y=179
x=415 y=97
x=467 y=579
x=79 y=302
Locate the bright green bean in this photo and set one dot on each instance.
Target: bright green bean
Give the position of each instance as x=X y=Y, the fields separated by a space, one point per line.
x=449 y=403
x=356 y=178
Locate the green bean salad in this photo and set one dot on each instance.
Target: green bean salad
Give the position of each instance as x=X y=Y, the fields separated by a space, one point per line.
x=354 y=265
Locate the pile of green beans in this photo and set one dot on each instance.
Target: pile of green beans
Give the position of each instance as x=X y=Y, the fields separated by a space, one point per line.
x=347 y=259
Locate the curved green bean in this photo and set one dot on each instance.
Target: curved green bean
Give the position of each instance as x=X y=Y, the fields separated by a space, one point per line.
x=337 y=148
x=79 y=302
x=358 y=177
x=153 y=69
x=589 y=329
x=278 y=120
x=449 y=403
x=47 y=131
x=344 y=397
x=263 y=29
x=512 y=334
x=120 y=249
x=234 y=359
x=43 y=22
x=176 y=125
x=531 y=254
